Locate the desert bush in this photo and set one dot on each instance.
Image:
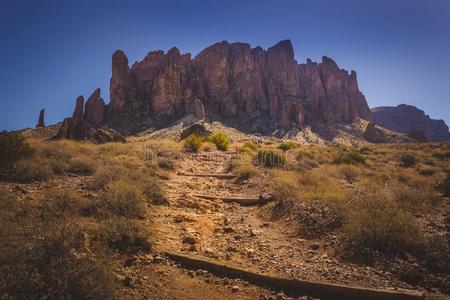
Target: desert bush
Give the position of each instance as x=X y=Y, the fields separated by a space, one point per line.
x=245 y=171
x=408 y=160
x=286 y=146
x=444 y=185
x=252 y=146
x=303 y=154
x=13 y=147
x=125 y=235
x=374 y=223
x=427 y=171
x=442 y=155
x=269 y=158
x=349 y=172
x=59 y=202
x=221 y=140
x=35 y=169
x=284 y=185
x=166 y=164
x=351 y=157
x=193 y=143
x=124 y=199
x=82 y=165
x=415 y=199
x=152 y=190
x=41 y=261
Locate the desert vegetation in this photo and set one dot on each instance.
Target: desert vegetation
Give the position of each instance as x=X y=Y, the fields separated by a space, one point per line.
x=60 y=239
x=75 y=211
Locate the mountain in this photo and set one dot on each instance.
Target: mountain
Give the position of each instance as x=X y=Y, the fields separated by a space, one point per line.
x=410 y=120
x=252 y=89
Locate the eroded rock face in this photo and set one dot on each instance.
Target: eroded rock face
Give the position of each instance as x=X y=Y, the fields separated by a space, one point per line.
x=41 y=121
x=407 y=119
x=79 y=129
x=78 y=112
x=250 y=88
x=94 y=110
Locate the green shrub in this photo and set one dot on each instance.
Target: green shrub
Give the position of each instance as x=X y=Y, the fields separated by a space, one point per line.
x=286 y=146
x=29 y=170
x=125 y=235
x=13 y=148
x=408 y=160
x=351 y=157
x=124 y=199
x=193 y=143
x=269 y=159
x=221 y=140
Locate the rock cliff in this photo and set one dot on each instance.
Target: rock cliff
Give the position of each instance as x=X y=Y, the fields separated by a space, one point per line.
x=410 y=120
x=253 y=89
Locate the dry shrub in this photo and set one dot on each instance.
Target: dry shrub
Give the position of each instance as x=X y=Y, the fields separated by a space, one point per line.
x=408 y=160
x=82 y=165
x=351 y=157
x=415 y=199
x=193 y=143
x=41 y=261
x=166 y=164
x=125 y=235
x=318 y=185
x=221 y=140
x=13 y=147
x=349 y=172
x=284 y=184
x=60 y=202
x=374 y=223
x=251 y=146
x=124 y=199
x=32 y=169
x=245 y=171
x=286 y=146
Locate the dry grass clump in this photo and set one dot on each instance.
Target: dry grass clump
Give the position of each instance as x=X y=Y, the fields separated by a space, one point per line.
x=349 y=157
x=349 y=172
x=124 y=199
x=221 y=140
x=124 y=235
x=193 y=143
x=166 y=164
x=32 y=169
x=286 y=146
x=251 y=146
x=82 y=165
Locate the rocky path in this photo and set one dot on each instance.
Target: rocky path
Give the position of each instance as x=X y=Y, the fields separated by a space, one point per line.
x=246 y=237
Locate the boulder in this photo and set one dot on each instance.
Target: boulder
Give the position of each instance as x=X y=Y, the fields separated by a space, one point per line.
x=198 y=129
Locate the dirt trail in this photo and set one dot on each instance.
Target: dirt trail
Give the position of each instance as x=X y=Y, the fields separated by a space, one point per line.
x=245 y=237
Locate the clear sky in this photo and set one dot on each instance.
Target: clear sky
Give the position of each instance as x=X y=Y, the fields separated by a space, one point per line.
x=53 y=51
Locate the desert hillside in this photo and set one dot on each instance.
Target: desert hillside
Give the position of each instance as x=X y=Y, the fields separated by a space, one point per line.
x=163 y=217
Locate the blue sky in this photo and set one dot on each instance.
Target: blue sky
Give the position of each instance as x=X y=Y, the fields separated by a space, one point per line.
x=53 y=51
